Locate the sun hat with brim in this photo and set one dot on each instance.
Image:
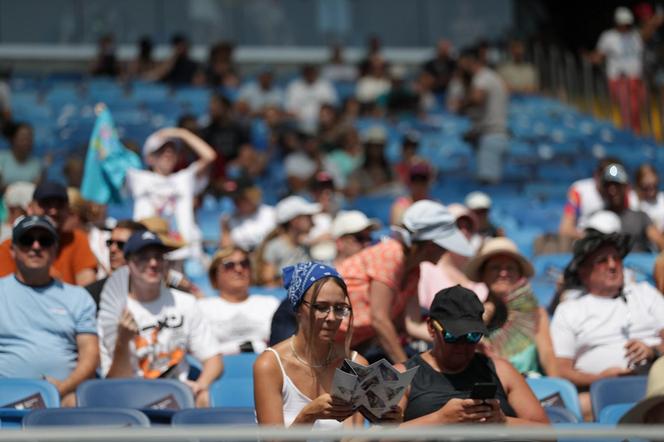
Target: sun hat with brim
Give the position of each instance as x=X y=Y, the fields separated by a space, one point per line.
x=428 y=220
x=294 y=206
x=585 y=246
x=494 y=247
x=159 y=226
x=352 y=221
x=458 y=310
x=19 y=194
x=654 y=395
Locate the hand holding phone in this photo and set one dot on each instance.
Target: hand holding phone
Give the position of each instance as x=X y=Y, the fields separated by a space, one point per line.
x=483 y=390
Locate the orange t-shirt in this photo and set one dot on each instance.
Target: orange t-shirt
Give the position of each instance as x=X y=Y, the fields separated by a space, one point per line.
x=383 y=262
x=74 y=255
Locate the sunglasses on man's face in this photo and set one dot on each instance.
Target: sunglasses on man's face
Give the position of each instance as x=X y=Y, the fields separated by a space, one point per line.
x=449 y=338
x=28 y=240
x=232 y=265
x=110 y=242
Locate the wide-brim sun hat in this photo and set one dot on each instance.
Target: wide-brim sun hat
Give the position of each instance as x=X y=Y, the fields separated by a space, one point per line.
x=427 y=220
x=294 y=206
x=495 y=247
x=159 y=226
x=582 y=248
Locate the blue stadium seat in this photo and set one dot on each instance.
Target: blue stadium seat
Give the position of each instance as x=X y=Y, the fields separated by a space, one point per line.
x=240 y=365
x=642 y=264
x=107 y=417
x=560 y=415
x=13 y=390
x=12 y=418
x=215 y=416
x=232 y=392
x=611 y=414
x=547 y=386
x=618 y=390
x=551 y=266
x=159 y=399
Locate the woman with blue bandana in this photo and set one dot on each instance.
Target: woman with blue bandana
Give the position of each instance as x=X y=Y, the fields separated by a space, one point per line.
x=293 y=379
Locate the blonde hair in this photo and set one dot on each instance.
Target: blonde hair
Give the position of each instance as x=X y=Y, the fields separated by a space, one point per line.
x=218 y=257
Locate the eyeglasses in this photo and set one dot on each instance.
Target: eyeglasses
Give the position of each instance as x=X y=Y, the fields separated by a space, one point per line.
x=28 y=240
x=322 y=310
x=232 y=265
x=449 y=338
x=119 y=244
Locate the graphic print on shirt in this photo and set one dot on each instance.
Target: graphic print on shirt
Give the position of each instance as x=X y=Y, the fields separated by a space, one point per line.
x=161 y=346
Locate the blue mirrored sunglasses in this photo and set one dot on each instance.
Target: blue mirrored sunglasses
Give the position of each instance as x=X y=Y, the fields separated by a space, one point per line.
x=449 y=338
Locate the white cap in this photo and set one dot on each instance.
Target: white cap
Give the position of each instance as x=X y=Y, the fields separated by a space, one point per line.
x=299 y=165
x=605 y=222
x=351 y=221
x=428 y=220
x=155 y=142
x=293 y=206
x=19 y=194
x=623 y=16
x=478 y=200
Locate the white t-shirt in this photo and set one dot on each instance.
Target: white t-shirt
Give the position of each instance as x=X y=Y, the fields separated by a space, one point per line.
x=170 y=327
x=623 y=52
x=258 y=98
x=493 y=116
x=655 y=210
x=170 y=197
x=584 y=198
x=234 y=323
x=593 y=330
x=248 y=232
x=305 y=100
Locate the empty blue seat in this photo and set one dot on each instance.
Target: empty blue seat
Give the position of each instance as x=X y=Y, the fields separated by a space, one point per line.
x=618 y=390
x=611 y=414
x=642 y=265
x=159 y=399
x=548 y=386
x=551 y=266
x=113 y=417
x=232 y=392
x=240 y=365
x=215 y=416
x=20 y=390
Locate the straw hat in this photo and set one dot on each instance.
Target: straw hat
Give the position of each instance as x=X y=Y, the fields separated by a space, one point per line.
x=494 y=247
x=159 y=226
x=654 y=396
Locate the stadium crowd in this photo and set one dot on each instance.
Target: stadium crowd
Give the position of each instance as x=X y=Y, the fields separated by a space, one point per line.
x=443 y=289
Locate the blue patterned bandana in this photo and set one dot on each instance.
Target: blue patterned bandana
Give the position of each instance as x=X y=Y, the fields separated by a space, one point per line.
x=298 y=279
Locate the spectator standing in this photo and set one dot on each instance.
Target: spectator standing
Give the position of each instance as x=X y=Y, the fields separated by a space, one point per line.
x=179 y=69
x=614 y=327
x=239 y=322
x=144 y=62
x=442 y=66
x=74 y=262
x=105 y=63
x=336 y=69
x=47 y=327
x=490 y=97
x=146 y=328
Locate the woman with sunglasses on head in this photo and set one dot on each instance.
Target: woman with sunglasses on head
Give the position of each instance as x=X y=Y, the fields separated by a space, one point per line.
x=293 y=379
x=456 y=384
x=240 y=322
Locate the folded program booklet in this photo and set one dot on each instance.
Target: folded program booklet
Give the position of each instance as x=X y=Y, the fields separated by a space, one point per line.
x=372 y=389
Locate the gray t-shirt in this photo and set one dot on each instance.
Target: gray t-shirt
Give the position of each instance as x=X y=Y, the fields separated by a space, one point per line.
x=281 y=253
x=634 y=223
x=492 y=117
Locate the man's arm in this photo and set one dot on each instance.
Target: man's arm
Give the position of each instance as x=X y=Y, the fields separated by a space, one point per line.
x=121 y=364
x=567 y=226
x=582 y=379
x=87 y=346
x=655 y=236
x=381 y=297
x=519 y=395
x=212 y=369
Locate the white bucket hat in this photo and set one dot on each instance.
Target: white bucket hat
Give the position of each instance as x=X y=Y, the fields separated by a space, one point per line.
x=352 y=221
x=293 y=206
x=428 y=220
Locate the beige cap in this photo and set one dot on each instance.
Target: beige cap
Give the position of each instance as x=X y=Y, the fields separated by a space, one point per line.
x=494 y=247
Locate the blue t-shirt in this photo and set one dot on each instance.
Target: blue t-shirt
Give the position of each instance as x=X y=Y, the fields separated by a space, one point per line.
x=38 y=328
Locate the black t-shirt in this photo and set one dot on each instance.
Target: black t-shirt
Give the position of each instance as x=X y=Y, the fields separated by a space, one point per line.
x=430 y=389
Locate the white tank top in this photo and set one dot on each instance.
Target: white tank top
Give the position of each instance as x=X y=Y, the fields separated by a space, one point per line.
x=294 y=400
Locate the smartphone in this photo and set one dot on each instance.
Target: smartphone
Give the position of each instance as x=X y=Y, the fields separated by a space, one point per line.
x=483 y=390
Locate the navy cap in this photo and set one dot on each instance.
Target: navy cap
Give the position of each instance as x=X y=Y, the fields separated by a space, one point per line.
x=50 y=189
x=24 y=224
x=615 y=173
x=140 y=240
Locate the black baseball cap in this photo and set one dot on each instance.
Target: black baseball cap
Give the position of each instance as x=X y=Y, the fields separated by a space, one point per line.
x=140 y=240
x=50 y=189
x=24 y=224
x=458 y=310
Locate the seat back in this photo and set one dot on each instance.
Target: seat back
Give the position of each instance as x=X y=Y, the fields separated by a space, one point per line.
x=113 y=417
x=560 y=415
x=232 y=393
x=36 y=392
x=611 y=414
x=239 y=365
x=548 y=386
x=156 y=394
x=215 y=416
x=618 y=390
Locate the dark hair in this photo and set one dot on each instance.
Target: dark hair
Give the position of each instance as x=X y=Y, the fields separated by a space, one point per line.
x=178 y=38
x=145 y=48
x=13 y=128
x=221 y=98
x=129 y=224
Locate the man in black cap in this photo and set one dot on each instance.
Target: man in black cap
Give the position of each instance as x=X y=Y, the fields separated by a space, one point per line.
x=75 y=263
x=613 y=327
x=47 y=328
x=444 y=389
x=147 y=328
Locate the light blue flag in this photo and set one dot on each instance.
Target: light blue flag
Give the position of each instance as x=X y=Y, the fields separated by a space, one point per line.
x=106 y=162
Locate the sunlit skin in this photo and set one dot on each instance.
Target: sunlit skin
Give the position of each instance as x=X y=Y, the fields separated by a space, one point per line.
x=324 y=327
x=501 y=273
x=164 y=160
x=147 y=266
x=233 y=283
x=34 y=256
x=451 y=358
x=115 y=253
x=602 y=271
